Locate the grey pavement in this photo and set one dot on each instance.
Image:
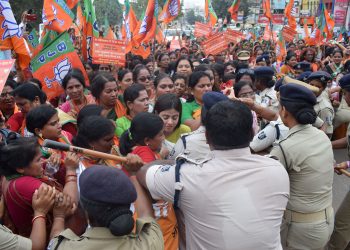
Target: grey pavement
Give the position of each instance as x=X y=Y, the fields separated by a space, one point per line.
x=341 y=183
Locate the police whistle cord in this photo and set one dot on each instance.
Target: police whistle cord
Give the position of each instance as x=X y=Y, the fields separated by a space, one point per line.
x=65 y=147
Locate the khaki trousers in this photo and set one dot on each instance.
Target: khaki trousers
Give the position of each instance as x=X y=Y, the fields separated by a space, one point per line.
x=341 y=234
x=307 y=236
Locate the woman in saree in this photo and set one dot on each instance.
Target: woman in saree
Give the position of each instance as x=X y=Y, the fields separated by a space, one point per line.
x=24 y=175
x=44 y=123
x=136 y=101
x=199 y=84
x=27 y=96
x=145 y=138
x=105 y=89
x=74 y=84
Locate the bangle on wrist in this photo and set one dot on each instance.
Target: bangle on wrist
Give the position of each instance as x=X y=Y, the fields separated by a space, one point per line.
x=71 y=181
x=37 y=217
x=348 y=164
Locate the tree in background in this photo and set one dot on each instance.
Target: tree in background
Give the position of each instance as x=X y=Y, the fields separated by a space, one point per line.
x=221 y=6
x=110 y=8
x=191 y=17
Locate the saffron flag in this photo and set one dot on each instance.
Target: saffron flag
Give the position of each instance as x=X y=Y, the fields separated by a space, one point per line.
x=146 y=29
x=71 y=3
x=288 y=13
x=57 y=16
x=210 y=14
x=79 y=20
x=170 y=11
x=281 y=51
x=129 y=21
x=11 y=35
x=267 y=9
x=52 y=64
x=306 y=30
x=159 y=35
x=141 y=50
x=233 y=10
x=108 y=33
x=90 y=29
x=267 y=33
x=325 y=22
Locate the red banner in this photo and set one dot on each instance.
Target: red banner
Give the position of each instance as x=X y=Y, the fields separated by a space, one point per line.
x=5 y=68
x=174 y=45
x=215 y=45
x=276 y=19
x=233 y=36
x=288 y=34
x=202 y=29
x=108 y=51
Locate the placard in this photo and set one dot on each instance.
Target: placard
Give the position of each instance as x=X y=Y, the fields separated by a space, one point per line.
x=108 y=51
x=202 y=29
x=5 y=68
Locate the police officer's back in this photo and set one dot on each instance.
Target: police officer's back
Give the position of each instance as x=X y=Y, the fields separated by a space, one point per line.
x=307 y=155
x=106 y=195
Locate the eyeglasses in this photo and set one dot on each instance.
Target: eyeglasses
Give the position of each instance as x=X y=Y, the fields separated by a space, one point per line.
x=144 y=78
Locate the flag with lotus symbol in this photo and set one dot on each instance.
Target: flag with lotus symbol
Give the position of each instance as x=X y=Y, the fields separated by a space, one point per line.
x=57 y=15
x=11 y=35
x=129 y=21
x=53 y=62
x=146 y=29
x=90 y=29
x=170 y=11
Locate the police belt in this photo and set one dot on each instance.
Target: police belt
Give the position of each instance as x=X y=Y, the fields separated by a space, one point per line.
x=293 y=216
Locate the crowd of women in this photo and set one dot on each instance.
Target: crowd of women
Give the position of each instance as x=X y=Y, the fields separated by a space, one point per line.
x=141 y=112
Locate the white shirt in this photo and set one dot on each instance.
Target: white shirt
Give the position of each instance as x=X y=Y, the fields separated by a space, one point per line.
x=236 y=200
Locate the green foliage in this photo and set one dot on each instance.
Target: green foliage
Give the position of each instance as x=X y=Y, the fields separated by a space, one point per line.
x=19 y=6
x=191 y=17
x=110 y=8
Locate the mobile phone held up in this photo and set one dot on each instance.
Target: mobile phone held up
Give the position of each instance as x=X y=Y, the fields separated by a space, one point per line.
x=30 y=16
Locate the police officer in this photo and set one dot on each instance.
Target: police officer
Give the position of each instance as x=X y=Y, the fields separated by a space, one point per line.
x=342 y=113
x=273 y=132
x=303 y=76
x=264 y=83
x=323 y=107
x=194 y=145
x=106 y=195
x=307 y=155
x=341 y=235
x=301 y=67
x=263 y=60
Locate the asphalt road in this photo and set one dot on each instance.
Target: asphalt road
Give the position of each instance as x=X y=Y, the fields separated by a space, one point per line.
x=341 y=183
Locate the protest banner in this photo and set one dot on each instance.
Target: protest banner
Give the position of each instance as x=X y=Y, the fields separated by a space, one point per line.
x=202 y=29
x=288 y=34
x=5 y=68
x=108 y=51
x=174 y=45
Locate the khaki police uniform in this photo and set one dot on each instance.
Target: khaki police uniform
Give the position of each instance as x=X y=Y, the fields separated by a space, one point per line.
x=341 y=235
x=325 y=111
x=272 y=133
x=307 y=155
x=10 y=241
x=193 y=145
x=342 y=114
x=148 y=235
x=268 y=99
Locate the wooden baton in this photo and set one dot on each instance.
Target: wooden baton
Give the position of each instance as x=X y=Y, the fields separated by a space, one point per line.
x=66 y=147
